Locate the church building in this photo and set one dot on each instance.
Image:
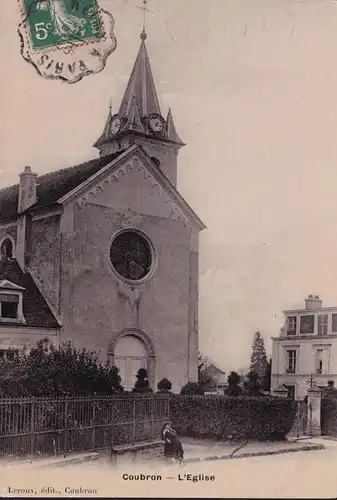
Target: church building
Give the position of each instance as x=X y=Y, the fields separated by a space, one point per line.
x=106 y=253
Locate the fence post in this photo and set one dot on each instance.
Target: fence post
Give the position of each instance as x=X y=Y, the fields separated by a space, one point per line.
x=32 y=427
x=134 y=420
x=93 y=423
x=65 y=427
x=314 y=409
x=152 y=402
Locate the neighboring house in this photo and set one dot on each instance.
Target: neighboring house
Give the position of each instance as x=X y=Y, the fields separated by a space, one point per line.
x=218 y=382
x=307 y=346
x=109 y=249
x=25 y=316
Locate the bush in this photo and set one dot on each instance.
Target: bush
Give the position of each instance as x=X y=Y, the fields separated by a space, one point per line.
x=233 y=388
x=142 y=384
x=329 y=414
x=253 y=385
x=164 y=386
x=217 y=417
x=193 y=388
x=50 y=371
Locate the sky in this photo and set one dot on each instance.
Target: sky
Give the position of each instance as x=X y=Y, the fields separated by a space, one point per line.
x=252 y=85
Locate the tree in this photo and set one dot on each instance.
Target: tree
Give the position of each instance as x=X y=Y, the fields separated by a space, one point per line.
x=258 y=360
x=330 y=389
x=253 y=386
x=49 y=371
x=204 y=378
x=267 y=377
x=142 y=383
x=164 y=386
x=233 y=388
x=192 y=388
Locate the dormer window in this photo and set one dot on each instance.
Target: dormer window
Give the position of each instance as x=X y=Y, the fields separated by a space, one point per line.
x=7 y=249
x=9 y=306
x=11 y=302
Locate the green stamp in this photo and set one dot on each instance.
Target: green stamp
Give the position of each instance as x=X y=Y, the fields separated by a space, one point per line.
x=55 y=22
x=66 y=39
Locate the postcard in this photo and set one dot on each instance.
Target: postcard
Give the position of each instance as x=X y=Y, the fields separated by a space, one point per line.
x=168 y=242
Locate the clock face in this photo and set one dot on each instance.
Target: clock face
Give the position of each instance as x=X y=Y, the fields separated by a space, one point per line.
x=115 y=125
x=131 y=256
x=156 y=124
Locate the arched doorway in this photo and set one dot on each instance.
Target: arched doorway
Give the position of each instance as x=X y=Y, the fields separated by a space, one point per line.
x=130 y=355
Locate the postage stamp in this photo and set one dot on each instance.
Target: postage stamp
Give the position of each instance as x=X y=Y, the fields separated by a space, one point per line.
x=66 y=39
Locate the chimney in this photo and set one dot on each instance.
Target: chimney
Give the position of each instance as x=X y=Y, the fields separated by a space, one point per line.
x=313 y=302
x=27 y=190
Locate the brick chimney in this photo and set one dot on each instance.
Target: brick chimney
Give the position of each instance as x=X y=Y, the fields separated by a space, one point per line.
x=313 y=302
x=27 y=190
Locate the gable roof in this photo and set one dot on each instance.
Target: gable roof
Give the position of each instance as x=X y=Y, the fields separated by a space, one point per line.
x=52 y=186
x=60 y=185
x=35 y=308
x=214 y=370
x=154 y=171
x=8 y=285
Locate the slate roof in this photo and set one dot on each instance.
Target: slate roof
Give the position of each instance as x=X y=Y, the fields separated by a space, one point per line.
x=35 y=309
x=51 y=186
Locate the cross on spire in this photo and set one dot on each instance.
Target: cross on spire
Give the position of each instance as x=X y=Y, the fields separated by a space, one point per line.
x=144 y=8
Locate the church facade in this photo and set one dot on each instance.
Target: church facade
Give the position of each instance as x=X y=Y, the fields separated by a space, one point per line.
x=106 y=253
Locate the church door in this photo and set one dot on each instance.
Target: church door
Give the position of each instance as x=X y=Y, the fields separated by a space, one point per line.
x=129 y=356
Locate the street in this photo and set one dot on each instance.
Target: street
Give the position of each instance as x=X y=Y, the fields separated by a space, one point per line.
x=301 y=474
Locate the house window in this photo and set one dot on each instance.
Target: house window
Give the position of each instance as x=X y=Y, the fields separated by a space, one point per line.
x=291 y=362
x=9 y=304
x=6 y=249
x=307 y=324
x=319 y=361
x=322 y=324
x=291 y=325
x=334 y=323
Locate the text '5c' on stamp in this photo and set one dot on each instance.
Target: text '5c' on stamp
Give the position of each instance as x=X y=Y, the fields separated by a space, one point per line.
x=66 y=39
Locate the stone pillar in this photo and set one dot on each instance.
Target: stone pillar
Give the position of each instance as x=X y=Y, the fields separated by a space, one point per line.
x=280 y=391
x=314 y=412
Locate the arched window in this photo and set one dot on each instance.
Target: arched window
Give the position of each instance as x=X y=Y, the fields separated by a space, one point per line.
x=6 y=249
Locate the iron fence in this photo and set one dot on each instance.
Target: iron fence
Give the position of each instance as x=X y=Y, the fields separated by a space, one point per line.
x=50 y=426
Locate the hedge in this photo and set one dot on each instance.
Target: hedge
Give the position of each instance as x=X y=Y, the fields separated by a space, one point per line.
x=329 y=415
x=222 y=417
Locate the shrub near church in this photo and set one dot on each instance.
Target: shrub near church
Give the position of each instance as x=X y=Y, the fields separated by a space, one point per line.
x=217 y=417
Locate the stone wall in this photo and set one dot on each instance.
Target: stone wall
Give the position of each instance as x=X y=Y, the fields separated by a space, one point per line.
x=44 y=259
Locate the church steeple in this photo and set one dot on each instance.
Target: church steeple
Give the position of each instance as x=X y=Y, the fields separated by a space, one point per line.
x=141 y=86
x=139 y=119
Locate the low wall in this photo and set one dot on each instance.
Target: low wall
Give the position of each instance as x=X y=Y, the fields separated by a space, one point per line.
x=139 y=452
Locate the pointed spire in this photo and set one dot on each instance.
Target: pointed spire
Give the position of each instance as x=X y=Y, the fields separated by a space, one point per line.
x=106 y=131
x=170 y=129
x=141 y=86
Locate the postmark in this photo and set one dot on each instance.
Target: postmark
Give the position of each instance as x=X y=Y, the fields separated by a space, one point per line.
x=66 y=39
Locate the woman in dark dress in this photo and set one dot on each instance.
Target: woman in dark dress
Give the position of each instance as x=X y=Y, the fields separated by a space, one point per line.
x=173 y=449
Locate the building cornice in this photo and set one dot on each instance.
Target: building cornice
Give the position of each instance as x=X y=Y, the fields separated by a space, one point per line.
x=298 y=338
